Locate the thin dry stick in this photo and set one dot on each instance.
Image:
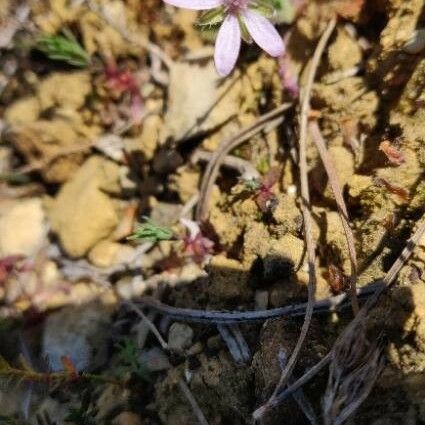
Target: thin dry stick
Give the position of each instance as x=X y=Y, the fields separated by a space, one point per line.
x=149 y=323
x=267 y=121
x=244 y=167
x=139 y=40
x=182 y=385
x=305 y=206
x=342 y=209
x=193 y=403
x=388 y=280
x=39 y=164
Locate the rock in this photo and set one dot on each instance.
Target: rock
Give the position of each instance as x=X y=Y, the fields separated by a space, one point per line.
x=22 y=227
x=127 y=418
x=185 y=181
x=344 y=52
x=179 y=336
x=82 y=213
x=44 y=140
x=193 y=91
x=80 y=333
x=256 y=242
x=130 y=287
x=67 y=90
x=164 y=213
x=155 y=359
x=287 y=214
x=148 y=140
x=23 y=111
x=289 y=248
x=261 y=299
x=107 y=253
x=6 y=156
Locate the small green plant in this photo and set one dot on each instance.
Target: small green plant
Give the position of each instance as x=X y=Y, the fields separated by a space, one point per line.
x=86 y=413
x=128 y=358
x=63 y=48
x=151 y=232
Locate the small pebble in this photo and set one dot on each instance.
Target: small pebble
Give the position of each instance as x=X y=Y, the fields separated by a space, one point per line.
x=155 y=359
x=180 y=336
x=261 y=300
x=416 y=42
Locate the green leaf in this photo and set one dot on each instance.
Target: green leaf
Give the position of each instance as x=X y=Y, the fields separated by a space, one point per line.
x=286 y=11
x=150 y=232
x=63 y=48
x=212 y=17
x=264 y=7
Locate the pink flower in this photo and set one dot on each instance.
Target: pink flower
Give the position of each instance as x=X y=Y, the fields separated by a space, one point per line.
x=228 y=41
x=195 y=244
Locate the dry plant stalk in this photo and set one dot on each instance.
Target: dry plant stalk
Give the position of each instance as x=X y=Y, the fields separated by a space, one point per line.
x=267 y=121
x=342 y=209
x=308 y=231
x=349 y=335
x=356 y=363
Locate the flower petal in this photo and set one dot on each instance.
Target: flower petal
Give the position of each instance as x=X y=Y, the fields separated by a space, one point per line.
x=227 y=45
x=192 y=227
x=264 y=33
x=195 y=4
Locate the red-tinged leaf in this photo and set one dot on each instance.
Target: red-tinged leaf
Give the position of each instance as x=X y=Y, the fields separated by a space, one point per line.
x=69 y=367
x=399 y=191
x=266 y=200
x=394 y=155
x=271 y=177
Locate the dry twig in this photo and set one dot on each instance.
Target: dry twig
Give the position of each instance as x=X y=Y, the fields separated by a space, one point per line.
x=342 y=209
x=193 y=403
x=355 y=365
x=266 y=122
x=305 y=206
x=348 y=333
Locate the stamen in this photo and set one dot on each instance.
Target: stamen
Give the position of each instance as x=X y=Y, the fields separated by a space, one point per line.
x=234 y=6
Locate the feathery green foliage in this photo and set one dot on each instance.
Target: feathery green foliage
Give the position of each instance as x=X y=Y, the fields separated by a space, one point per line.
x=150 y=232
x=63 y=48
x=128 y=357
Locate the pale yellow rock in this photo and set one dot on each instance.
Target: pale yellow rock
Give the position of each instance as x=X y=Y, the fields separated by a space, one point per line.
x=196 y=101
x=64 y=90
x=345 y=52
x=127 y=418
x=23 y=111
x=290 y=248
x=186 y=182
x=46 y=140
x=149 y=138
x=22 y=228
x=107 y=253
x=82 y=213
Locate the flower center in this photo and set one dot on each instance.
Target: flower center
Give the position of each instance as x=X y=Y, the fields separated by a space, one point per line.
x=234 y=6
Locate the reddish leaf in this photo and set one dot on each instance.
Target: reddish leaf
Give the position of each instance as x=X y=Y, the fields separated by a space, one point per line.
x=69 y=367
x=392 y=153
